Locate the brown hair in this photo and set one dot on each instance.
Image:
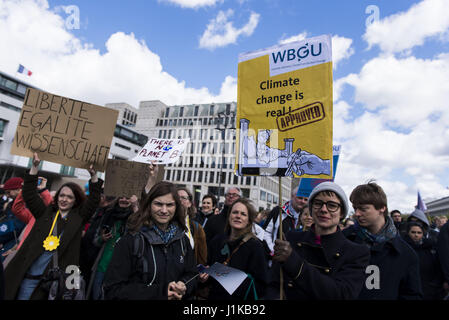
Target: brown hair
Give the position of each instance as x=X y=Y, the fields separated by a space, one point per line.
x=143 y=216
x=191 y=211
x=252 y=214
x=370 y=193
x=80 y=196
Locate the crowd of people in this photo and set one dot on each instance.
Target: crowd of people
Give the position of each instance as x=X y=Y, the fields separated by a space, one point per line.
x=159 y=246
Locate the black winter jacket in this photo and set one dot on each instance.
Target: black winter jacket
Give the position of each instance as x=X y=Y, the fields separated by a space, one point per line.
x=249 y=258
x=333 y=269
x=394 y=266
x=443 y=250
x=216 y=224
x=429 y=268
x=174 y=261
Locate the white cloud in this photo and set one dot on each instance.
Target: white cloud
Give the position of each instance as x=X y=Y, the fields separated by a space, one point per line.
x=298 y=37
x=341 y=49
x=193 y=4
x=220 y=32
x=406 y=90
x=62 y=64
x=341 y=46
x=406 y=30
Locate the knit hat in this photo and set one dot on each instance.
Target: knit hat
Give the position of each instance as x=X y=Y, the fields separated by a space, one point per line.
x=331 y=186
x=13 y=184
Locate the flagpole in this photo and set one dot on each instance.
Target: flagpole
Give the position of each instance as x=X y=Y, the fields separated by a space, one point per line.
x=281 y=279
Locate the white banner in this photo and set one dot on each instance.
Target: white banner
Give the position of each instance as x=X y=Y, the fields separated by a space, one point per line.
x=163 y=151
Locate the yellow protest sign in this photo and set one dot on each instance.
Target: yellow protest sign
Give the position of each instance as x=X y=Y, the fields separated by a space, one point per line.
x=284 y=110
x=63 y=130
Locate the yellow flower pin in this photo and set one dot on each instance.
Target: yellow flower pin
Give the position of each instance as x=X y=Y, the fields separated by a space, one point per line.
x=51 y=243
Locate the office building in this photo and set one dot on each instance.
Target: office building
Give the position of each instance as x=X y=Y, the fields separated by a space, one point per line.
x=207 y=165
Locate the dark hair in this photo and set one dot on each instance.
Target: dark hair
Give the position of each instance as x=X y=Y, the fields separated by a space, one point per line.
x=80 y=196
x=393 y=212
x=252 y=214
x=143 y=215
x=414 y=224
x=370 y=193
x=214 y=199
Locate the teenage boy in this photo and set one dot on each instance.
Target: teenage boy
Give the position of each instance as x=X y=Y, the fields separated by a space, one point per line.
x=393 y=271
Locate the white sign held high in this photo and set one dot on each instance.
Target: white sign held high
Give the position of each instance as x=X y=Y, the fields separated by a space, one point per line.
x=163 y=151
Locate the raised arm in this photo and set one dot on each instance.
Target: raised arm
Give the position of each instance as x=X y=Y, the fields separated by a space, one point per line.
x=29 y=191
x=93 y=200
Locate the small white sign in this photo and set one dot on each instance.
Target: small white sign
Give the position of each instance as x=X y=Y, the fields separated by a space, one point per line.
x=163 y=151
x=229 y=278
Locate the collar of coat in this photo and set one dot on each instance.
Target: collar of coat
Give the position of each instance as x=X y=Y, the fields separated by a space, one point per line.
x=394 y=243
x=153 y=238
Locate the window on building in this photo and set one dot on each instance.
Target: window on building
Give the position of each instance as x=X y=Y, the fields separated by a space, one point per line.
x=66 y=170
x=248 y=181
x=236 y=180
x=181 y=112
x=167 y=175
x=178 y=175
x=2 y=126
x=200 y=176
x=269 y=197
x=211 y=177
x=189 y=175
x=254 y=181
x=167 y=112
x=263 y=195
x=211 y=109
x=195 y=112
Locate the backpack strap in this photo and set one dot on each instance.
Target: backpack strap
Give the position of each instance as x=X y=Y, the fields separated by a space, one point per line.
x=138 y=252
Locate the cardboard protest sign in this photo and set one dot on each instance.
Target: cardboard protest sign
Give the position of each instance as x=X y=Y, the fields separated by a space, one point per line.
x=163 y=151
x=230 y=278
x=125 y=178
x=63 y=130
x=284 y=110
x=306 y=185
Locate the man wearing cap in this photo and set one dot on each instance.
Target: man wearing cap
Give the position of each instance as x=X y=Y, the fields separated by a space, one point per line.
x=321 y=264
x=393 y=271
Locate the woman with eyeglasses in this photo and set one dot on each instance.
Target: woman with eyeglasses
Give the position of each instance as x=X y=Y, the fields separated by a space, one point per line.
x=195 y=231
x=320 y=264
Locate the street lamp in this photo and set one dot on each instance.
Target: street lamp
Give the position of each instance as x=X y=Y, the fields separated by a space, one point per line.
x=225 y=121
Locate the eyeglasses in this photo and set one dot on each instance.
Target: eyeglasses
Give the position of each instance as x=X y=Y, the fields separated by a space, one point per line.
x=232 y=195
x=330 y=205
x=184 y=198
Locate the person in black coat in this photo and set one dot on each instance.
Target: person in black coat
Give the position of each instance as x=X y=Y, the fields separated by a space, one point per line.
x=239 y=248
x=154 y=260
x=208 y=205
x=429 y=265
x=321 y=263
x=443 y=253
x=216 y=224
x=393 y=271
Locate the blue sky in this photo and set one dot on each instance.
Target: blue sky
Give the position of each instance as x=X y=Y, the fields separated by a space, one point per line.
x=391 y=111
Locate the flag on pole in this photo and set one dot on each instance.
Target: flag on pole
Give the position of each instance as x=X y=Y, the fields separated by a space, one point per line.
x=24 y=70
x=421 y=205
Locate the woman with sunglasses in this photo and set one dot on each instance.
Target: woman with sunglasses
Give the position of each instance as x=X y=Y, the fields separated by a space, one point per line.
x=320 y=264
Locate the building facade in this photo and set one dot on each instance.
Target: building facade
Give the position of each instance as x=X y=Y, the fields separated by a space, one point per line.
x=207 y=165
x=438 y=207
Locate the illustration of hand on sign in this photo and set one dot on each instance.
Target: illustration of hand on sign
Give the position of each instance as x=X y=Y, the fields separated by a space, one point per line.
x=303 y=162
